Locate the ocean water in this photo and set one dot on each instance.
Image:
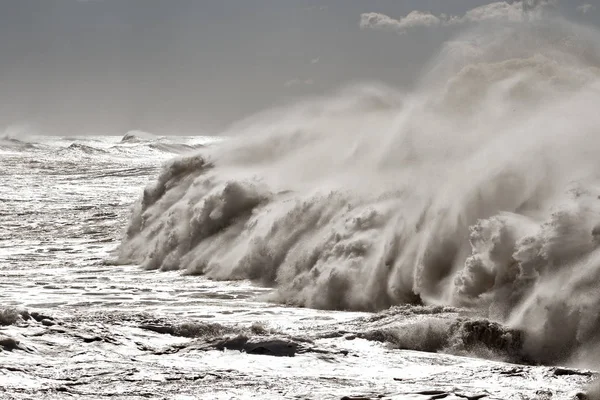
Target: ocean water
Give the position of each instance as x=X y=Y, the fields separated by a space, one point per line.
x=435 y=243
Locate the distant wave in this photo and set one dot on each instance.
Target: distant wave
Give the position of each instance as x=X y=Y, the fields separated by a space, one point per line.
x=137 y=137
x=13 y=144
x=175 y=148
x=17 y=138
x=164 y=144
x=479 y=189
x=133 y=143
x=82 y=148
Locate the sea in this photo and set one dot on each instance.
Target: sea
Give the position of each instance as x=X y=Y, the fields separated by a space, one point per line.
x=440 y=242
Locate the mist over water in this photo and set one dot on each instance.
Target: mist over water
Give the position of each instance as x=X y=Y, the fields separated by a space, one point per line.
x=480 y=188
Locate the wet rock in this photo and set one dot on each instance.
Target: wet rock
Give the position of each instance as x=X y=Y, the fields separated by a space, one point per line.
x=90 y=339
x=516 y=371
x=13 y=369
x=264 y=346
x=95 y=338
x=471 y=397
x=560 y=371
x=9 y=344
x=40 y=317
x=431 y=392
x=441 y=394
x=277 y=346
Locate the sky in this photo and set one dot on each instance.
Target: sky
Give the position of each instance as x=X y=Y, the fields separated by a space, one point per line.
x=73 y=67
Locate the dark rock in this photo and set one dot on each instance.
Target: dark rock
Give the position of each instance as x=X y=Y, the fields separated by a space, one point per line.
x=40 y=317
x=25 y=315
x=516 y=371
x=90 y=339
x=9 y=344
x=474 y=397
x=264 y=346
x=559 y=371
x=432 y=392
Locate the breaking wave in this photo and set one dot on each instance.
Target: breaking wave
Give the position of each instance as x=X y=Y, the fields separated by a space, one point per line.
x=137 y=137
x=83 y=149
x=478 y=189
x=156 y=143
x=16 y=138
x=175 y=148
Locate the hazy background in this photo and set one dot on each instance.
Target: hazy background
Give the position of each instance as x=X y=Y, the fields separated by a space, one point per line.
x=194 y=66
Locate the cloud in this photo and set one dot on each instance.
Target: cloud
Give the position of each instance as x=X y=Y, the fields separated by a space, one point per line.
x=585 y=8
x=383 y=22
x=298 y=82
x=497 y=11
x=315 y=60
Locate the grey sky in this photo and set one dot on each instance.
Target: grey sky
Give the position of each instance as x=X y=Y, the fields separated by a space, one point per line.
x=190 y=66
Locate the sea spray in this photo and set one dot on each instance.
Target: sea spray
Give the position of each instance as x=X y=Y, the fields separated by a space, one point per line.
x=478 y=188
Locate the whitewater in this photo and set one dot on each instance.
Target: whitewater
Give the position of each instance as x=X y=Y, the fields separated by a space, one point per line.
x=438 y=242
